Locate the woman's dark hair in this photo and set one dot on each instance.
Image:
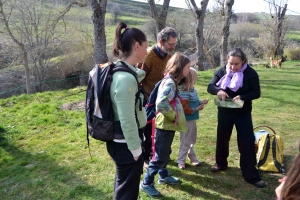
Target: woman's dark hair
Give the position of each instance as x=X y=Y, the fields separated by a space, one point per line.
x=175 y=66
x=125 y=38
x=237 y=52
x=291 y=188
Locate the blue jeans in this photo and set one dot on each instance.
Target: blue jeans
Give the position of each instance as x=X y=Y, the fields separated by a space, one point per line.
x=163 y=142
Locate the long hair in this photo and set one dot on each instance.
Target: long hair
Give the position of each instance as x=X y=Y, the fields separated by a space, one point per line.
x=125 y=38
x=237 y=52
x=291 y=187
x=175 y=66
x=190 y=80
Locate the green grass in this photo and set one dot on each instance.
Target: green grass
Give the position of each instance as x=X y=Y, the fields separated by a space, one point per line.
x=293 y=35
x=44 y=153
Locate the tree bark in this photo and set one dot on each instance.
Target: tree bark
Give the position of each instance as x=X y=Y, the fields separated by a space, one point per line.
x=225 y=32
x=160 y=19
x=209 y=55
x=199 y=14
x=98 y=17
x=278 y=51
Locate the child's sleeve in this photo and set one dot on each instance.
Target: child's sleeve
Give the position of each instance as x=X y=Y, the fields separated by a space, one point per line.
x=186 y=108
x=165 y=94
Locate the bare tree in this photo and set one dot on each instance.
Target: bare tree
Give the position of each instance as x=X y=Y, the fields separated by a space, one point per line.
x=182 y=22
x=226 y=13
x=276 y=27
x=150 y=28
x=115 y=11
x=199 y=14
x=212 y=35
x=99 y=11
x=36 y=30
x=160 y=18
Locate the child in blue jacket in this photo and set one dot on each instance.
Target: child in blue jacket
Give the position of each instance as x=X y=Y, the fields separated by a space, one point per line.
x=191 y=105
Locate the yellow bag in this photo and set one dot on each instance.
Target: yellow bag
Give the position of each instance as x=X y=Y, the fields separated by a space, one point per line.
x=269 y=154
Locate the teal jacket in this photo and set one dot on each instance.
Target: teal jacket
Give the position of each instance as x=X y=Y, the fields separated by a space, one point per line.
x=170 y=114
x=122 y=92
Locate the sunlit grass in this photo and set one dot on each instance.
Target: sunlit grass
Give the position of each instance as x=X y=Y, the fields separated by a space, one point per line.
x=44 y=153
x=293 y=35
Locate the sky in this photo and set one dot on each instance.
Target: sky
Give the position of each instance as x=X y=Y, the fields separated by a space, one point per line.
x=293 y=7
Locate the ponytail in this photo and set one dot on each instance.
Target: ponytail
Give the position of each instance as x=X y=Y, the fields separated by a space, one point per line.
x=125 y=38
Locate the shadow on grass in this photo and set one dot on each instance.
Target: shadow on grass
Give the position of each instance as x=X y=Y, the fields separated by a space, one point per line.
x=200 y=182
x=25 y=175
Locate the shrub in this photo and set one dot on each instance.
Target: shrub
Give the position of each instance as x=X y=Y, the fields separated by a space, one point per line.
x=294 y=54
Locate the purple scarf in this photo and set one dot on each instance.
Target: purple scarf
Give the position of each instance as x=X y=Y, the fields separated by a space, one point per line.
x=233 y=81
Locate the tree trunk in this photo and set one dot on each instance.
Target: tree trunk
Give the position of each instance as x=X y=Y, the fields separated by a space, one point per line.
x=200 y=14
x=27 y=71
x=160 y=19
x=33 y=33
x=209 y=56
x=98 y=17
x=278 y=51
x=225 y=32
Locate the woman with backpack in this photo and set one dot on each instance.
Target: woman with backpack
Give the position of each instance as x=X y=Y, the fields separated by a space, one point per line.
x=130 y=45
x=169 y=118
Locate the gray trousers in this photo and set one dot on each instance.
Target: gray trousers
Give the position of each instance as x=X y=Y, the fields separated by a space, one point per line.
x=187 y=143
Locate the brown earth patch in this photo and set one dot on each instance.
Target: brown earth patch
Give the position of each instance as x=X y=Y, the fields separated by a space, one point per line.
x=74 y=106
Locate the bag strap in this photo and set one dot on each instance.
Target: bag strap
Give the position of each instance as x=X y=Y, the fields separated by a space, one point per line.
x=276 y=163
x=264 y=126
x=173 y=102
x=90 y=96
x=137 y=95
x=153 y=138
x=267 y=149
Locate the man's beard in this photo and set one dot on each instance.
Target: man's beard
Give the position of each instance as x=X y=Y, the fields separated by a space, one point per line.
x=166 y=50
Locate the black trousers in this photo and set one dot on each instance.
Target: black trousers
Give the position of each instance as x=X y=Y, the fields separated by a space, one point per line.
x=245 y=140
x=147 y=144
x=128 y=171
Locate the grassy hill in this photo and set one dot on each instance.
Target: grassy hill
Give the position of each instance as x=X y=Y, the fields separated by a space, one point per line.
x=44 y=152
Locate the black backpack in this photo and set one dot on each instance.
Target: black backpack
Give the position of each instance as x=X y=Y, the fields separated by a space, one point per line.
x=98 y=104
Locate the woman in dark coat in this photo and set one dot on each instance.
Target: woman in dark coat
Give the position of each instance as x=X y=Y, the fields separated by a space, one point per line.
x=237 y=81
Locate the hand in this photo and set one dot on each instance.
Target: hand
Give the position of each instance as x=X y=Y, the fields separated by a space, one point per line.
x=279 y=188
x=237 y=98
x=205 y=101
x=136 y=158
x=222 y=95
x=200 y=107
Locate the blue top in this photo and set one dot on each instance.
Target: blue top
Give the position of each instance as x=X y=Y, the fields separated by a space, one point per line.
x=194 y=102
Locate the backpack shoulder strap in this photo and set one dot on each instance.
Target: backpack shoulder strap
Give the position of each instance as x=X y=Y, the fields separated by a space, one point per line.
x=124 y=67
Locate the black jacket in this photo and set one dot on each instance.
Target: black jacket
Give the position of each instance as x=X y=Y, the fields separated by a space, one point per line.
x=248 y=92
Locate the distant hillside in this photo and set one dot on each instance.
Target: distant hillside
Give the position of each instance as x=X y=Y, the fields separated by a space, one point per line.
x=136 y=6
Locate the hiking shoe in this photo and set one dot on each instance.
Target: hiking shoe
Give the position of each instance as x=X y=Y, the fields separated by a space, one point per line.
x=261 y=184
x=196 y=162
x=150 y=190
x=181 y=166
x=169 y=180
x=216 y=168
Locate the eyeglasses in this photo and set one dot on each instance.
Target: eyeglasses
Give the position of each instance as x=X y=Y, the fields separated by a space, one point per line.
x=172 y=45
